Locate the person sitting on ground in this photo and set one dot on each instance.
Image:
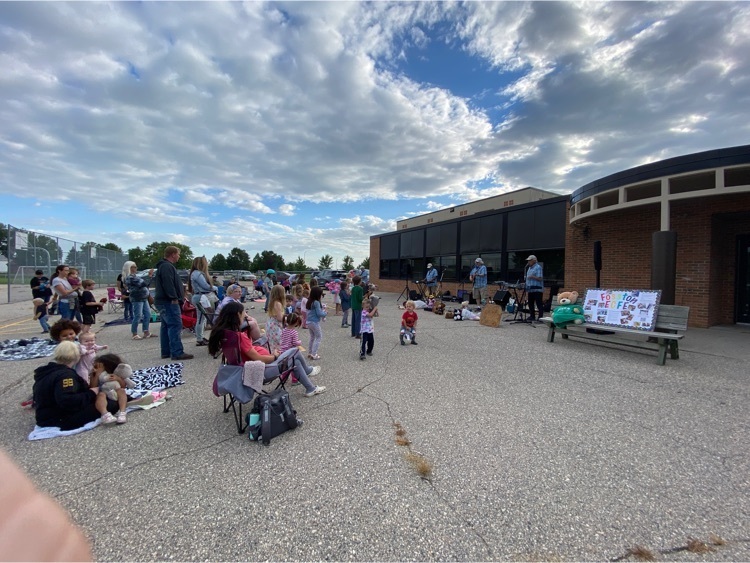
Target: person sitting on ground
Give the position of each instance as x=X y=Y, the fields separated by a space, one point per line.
x=64 y=400
x=409 y=323
x=249 y=324
x=229 y=320
x=64 y=329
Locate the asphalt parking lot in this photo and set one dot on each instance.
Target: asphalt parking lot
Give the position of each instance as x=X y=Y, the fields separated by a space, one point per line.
x=530 y=451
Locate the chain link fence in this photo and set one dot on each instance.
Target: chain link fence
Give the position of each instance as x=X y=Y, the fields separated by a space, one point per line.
x=28 y=251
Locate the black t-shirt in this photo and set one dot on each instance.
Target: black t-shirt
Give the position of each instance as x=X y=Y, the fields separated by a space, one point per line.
x=122 y=287
x=87 y=297
x=40 y=287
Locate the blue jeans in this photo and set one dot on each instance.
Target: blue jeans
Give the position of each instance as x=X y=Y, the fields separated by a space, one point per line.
x=141 y=310
x=127 y=306
x=316 y=336
x=171 y=329
x=200 y=325
x=43 y=323
x=356 y=321
x=301 y=369
x=63 y=307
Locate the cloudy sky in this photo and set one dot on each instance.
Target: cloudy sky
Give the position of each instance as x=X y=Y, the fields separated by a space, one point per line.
x=305 y=128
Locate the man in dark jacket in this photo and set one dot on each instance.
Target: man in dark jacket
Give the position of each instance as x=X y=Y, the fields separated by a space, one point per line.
x=168 y=299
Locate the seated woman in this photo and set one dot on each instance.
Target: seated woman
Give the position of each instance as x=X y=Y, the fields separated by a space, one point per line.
x=249 y=324
x=64 y=400
x=229 y=320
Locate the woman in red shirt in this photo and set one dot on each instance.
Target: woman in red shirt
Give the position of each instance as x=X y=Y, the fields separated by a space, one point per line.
x=230 y=319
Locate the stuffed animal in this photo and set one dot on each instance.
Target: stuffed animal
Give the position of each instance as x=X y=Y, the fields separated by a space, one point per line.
x=567 y=312
x=109 y=386
x=467 y=314
x=439 y=308
x=457 y=315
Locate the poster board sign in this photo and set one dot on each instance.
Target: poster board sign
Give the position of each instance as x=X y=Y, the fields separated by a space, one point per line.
x=626 y=308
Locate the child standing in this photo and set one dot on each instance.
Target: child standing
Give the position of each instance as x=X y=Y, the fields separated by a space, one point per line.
x=89 y=305
x=40 y=313
x=303 y=306
x=409 y=323
x=289 y=334
x=88 y=350
x=75 y=298
x=346 y=304
x=336 y=290
x=275 y=322
x=356 y=298
x=367 y=329
x=315 y=314
x=289 y=304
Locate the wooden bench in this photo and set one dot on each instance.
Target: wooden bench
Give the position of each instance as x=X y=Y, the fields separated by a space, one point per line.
x=670 y=327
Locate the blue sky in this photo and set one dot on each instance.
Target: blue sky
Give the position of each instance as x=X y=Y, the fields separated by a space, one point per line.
x=305 y=128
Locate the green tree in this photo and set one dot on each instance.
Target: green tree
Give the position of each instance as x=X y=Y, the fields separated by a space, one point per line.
x=348 y=263
x=218 y=263
x=365 y=264
x=267 y=259
x=325 y=262
x=112 y=246
x=297 y=266
x=238 y=259
x=149 y=256
x=4 y=240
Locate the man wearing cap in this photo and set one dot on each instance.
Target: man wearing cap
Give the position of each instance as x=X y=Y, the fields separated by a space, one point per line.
x=431 y=280
x=534 y=287
x=478 y=276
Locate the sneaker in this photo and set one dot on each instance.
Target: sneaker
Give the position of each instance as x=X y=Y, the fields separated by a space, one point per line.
x=183 y=357
x=369 y=353
x=107 y=418
x=121 y=417
x=201 y=343
x=164 y=356
x=362 y=357
x=317 y=391
x=315 y=371
x=414 y=342
x=401 y=338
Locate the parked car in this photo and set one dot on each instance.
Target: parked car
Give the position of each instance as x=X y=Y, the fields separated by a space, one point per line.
x=239 y=275
x=330 y=275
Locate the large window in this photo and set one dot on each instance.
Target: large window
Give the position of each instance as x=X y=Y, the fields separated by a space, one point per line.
x=552 y=261
x=445 y=265
x=412 y=244
x=389 y=247
x=483 y=234
x=388 y=269
x=442 y=239
x=537 y=227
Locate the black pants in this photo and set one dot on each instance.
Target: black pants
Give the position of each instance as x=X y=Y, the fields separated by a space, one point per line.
x=536 y=298
x=368 y=342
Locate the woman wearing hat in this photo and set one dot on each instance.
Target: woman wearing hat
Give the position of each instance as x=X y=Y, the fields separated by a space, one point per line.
x=534 y=287
x=478 y=276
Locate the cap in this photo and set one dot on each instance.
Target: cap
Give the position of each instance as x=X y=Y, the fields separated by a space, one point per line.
x=270 y=271
x=531 y=257
x=429 y=265
x=479 y=261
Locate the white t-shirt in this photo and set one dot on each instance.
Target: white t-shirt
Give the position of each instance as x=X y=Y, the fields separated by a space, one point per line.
x=58 y=281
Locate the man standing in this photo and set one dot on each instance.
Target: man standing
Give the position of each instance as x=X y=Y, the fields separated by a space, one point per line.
x=169 y=297
x=40 y=286
x=534 y=287
x=478 y=276
x=431 y=280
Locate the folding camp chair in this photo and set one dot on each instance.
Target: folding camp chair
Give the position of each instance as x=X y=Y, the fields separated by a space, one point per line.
x=231 y=355
x=189 y=316
x=207 y=314
x=114 y=301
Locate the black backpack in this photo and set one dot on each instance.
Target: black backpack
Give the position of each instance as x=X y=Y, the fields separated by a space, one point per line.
x=274 y=416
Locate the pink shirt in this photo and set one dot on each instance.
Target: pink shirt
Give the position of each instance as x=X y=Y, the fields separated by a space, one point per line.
x=289 y=339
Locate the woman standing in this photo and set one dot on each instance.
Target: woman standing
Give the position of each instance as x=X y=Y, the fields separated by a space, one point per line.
x=139 y=294
x=198 y=286
x=63 y=290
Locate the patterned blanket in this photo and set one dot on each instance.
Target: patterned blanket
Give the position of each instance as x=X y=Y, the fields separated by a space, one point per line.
x=26 y=349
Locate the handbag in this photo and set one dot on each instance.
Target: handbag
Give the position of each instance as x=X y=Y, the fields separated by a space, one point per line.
x=204 y=300
x=274 y=415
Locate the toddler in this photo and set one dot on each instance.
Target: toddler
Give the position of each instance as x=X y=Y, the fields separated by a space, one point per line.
x=289 y=304
x=74 y=299
x=88 y=349
x=409 y=323
x=105 y=365
x=289 y=334
x=346 y=303
x=303 y=306
x=64 y=329
x=40 y=313
x=89 y=305
x=367 y=329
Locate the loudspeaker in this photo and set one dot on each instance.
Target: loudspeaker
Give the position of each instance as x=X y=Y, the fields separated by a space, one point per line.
x=501 y=298
x=413 y=294
x=597 y=255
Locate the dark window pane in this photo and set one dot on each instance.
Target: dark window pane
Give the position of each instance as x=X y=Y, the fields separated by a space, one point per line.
x=470 y=236
x=433 y=241
x=520 y=229
x=389 y=247
x=491 y=233
x=549 y=226
x=448 y=238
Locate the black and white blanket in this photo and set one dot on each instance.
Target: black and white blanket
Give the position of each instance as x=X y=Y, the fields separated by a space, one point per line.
x=26 y=349
x=157 y=378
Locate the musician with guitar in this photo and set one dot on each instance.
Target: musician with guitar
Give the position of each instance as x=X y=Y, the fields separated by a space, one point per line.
x=478 y=276
x=431 y=281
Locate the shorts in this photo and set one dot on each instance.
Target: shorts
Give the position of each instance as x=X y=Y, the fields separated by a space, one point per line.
x=480 y=294
x=89 y=319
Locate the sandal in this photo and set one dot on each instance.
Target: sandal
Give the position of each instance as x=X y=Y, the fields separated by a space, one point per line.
x=313 y=356
x=136 y=337
x=148 y=335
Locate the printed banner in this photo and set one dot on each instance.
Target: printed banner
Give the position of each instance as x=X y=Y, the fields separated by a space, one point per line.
x=628 y=308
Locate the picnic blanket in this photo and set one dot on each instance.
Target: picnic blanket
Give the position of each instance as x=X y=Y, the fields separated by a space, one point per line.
x=26 y=348
x=148 y=381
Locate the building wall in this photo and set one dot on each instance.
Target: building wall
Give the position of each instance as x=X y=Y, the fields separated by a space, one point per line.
x=706 y=252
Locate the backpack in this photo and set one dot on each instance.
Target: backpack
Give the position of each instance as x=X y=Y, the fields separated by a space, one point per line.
x=274 y=415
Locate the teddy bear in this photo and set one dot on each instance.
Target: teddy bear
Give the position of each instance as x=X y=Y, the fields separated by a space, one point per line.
x=109 y=385
x=567 y=311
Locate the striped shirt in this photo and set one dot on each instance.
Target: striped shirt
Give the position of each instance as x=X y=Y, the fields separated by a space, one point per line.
x=289 y=339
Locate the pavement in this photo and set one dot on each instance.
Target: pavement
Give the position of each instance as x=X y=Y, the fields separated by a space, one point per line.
x=528 y=450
